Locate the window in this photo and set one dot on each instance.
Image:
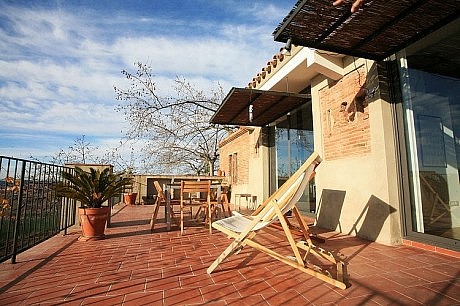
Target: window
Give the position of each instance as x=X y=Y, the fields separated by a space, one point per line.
x=291 y=139
x=430 y=81
x=233 y=168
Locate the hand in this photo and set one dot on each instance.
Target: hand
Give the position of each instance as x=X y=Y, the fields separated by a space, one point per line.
x=354 y=8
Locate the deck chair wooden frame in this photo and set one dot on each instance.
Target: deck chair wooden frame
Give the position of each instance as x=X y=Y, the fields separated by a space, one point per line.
x=161 y=201
x=243 y=229
x=187 y=200
x=437 y=200
x=223 y=202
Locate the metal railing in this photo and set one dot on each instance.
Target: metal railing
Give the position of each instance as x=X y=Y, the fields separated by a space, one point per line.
x=30 y=212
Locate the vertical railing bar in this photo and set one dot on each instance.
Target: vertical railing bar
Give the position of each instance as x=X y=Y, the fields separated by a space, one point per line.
x=8 y=225
x=4 y=196
x=36 y=200
x=33 y=208
x=51 y=205
x=25 y=183
x=57 y=208
x=66 y=215
x=18 y=212
x=45 y=201
x=65 y=202
x=55 y=225
x=10 y=221
x=40 y=198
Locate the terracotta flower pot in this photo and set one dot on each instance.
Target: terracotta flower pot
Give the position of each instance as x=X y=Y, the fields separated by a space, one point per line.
x=130 y=198
x=93 y=222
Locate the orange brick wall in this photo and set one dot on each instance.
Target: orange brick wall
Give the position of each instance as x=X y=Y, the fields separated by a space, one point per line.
x=345 y=117
x=238 y=143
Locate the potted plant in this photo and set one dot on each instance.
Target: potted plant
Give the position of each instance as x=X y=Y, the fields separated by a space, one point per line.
x=92 y=189
x=130 y=198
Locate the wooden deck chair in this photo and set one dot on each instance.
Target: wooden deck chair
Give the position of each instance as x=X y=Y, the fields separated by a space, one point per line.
x=161 y=202
x=187 y=200
x=243 y=229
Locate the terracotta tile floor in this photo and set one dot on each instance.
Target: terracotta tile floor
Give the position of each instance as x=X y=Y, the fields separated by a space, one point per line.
x=134 y=267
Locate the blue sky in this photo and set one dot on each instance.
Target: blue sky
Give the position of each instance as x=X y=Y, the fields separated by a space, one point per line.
x=59 y=61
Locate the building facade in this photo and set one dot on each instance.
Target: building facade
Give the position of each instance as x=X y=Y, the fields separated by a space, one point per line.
x=388 y=132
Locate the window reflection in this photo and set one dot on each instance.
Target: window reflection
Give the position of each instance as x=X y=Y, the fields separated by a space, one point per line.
x=432 y=100
x=293 y=144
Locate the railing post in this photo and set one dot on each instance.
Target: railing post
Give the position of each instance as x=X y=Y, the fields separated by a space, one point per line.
x=66 y=214
x=18 y=213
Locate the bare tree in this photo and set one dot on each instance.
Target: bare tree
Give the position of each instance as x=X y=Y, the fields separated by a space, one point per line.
x=179 y=137
x=80 y=152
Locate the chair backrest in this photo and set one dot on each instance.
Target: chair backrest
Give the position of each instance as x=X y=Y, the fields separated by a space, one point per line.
x=188 y=187
x=160 y=194
x=290 y=192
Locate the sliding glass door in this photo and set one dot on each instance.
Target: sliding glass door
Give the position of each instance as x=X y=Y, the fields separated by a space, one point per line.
x=430 y=79
x=292 y=139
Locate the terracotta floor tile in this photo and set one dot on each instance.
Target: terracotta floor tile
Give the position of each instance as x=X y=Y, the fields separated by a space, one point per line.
x=219 y=292
x=392 y=298
x=131 y=286
x=256 y=273
x=364 y=269
x=251 y=300
x=387 y=265
x=103 y=300
x=147 y=298
x=448 y=288
x=405 y=279
x=427 y=274
x=288 y=297
x=151 y=273
x=322 y=294
x=162 y=284
x=360 y=300
x=429 y=297
x=196 y=281
x=135 y=267
x=281 y=284
x=176 y=271
x=49 y=295
x=379 y=283
x=183 y=296
x=431 y=258
x=88 y=290
x=251 y=287
x=447 y=269
x=109 y=277
x=227 y=277
x=14 y=297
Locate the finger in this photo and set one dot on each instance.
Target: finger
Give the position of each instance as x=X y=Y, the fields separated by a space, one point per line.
x=356 y=5
x=338 y=2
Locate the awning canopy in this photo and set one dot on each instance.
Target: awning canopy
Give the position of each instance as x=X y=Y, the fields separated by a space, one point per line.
x=267 y=106
x=379 y=29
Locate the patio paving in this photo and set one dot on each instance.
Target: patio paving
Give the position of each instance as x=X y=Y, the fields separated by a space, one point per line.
x=135 y=267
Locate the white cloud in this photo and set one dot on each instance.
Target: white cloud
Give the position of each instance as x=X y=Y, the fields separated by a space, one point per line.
x=58 y=67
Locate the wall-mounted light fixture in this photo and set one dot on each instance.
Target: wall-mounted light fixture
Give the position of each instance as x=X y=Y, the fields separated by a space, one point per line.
x=286 y=50
x=251 y=107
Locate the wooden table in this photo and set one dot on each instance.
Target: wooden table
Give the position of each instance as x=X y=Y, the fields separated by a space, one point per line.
x=247 y=196
x=169 y=188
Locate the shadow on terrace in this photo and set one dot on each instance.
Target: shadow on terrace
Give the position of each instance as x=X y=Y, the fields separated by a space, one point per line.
x=135 y=267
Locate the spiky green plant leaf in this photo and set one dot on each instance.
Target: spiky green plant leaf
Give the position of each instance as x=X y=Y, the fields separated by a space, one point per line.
x=92 y=188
